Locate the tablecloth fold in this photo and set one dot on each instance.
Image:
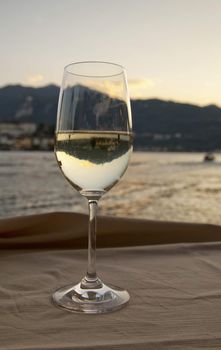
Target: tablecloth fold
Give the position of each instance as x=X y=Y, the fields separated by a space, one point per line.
x=69 y=230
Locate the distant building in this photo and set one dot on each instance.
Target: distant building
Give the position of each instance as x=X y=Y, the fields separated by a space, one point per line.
x=24 y=143
x=17 y=129
x=6 y=142
x=25 y=136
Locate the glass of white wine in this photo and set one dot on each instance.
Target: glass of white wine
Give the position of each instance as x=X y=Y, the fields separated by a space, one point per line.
x=93 y=147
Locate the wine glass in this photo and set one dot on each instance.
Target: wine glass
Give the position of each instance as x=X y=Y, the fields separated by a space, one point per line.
x=93 y=147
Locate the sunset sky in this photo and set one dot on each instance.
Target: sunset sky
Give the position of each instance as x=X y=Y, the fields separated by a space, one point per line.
x=171 y=49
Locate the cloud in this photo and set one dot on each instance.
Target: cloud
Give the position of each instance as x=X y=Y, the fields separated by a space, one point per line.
x=139 y=87
x=35 y=79
x=147 y=83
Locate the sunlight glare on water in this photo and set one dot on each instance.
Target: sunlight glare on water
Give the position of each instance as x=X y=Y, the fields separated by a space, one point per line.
x=159 y=186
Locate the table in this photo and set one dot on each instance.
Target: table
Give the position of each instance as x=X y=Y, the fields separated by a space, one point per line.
x=175 y=294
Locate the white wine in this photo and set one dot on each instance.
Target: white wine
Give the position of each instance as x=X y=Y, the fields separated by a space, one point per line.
x=93 y=160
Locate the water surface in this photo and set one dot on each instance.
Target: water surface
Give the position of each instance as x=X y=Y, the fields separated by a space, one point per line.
x=161 y=186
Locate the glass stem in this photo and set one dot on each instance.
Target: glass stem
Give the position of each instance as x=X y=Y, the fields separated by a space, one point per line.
x=91 y=275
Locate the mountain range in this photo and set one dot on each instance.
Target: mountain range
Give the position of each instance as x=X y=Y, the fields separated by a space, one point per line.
x=157 y=124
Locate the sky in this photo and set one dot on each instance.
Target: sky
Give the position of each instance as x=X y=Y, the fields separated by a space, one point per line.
x=171 y=49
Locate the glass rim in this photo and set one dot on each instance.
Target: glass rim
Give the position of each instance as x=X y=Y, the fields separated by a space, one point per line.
x=119 y=66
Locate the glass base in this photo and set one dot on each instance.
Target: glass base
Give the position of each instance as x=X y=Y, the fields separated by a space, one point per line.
x=96 y=299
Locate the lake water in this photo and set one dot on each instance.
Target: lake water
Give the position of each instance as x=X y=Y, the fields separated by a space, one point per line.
x=161 y=186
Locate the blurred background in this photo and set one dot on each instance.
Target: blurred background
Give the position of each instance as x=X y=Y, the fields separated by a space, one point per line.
x=171 y=51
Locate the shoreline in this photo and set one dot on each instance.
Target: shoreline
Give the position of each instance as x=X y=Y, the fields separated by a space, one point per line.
x=134 y=151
